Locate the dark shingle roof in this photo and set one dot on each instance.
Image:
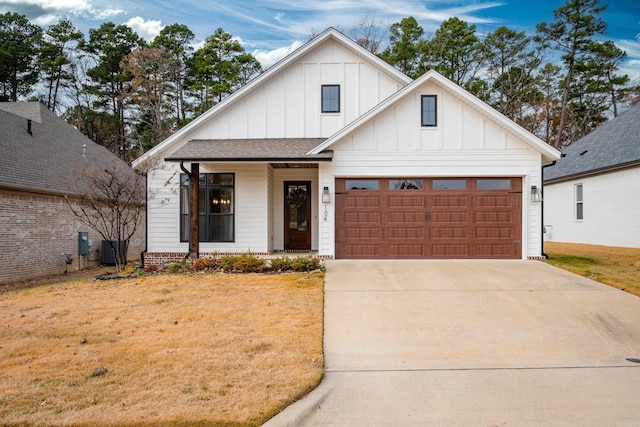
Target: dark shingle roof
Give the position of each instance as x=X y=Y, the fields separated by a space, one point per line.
x=228 y=150
x=49 y=158
x=614 y=144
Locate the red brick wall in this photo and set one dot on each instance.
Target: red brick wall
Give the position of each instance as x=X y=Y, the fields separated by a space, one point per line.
x=36 y=230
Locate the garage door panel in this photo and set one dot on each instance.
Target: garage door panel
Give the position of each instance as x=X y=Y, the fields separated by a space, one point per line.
x=448 y=201
x=460 y=233
x=450 y=251
x=363 y=233
x=449 y=217
x=477 y=220
x=403 y=250
x=362 y=218
x=494 y=233
x=405 y=201
x=406 y=233
x=503 y=201
x=405 y=217
x=362 y=201
x=494 y=217
x=497 y=251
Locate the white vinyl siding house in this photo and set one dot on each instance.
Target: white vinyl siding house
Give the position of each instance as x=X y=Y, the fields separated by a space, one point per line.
x=591 y=193
x=273 y=134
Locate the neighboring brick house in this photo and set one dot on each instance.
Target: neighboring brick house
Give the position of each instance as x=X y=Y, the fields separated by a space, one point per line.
x=40 y=159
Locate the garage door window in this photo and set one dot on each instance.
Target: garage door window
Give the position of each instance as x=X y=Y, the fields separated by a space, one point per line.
x=493 y=184
x=449 y=184
x=405 y=184
x=362 y=184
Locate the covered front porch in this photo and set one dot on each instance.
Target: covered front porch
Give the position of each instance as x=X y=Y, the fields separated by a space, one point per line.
x=240 y=197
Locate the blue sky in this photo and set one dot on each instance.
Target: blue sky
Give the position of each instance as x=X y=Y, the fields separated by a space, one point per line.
x=271 y=29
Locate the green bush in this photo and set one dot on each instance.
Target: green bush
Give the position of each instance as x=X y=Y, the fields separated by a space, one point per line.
x=174 y=266
x=243 y=263
x=305 y=263
x=281 y=264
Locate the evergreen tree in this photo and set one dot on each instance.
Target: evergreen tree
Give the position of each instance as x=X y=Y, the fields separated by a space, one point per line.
x=19 y=44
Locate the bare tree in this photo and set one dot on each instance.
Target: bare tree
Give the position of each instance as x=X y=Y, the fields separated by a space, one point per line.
x=111 y=201
x=370 y=33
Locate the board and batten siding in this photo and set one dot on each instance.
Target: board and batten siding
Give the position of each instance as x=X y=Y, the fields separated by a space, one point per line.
x=465 y=143
x=610 y=206
x=288 y=104
x=251 y=213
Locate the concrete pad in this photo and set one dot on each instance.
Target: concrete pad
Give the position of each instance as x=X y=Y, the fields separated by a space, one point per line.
x=487 y=343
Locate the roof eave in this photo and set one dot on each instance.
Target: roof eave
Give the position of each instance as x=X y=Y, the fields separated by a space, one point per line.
x=593 y=172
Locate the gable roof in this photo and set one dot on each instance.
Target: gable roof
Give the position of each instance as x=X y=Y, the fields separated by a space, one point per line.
x=49 y=159
x=548 y=152
x=328 y=34
x=614 y=144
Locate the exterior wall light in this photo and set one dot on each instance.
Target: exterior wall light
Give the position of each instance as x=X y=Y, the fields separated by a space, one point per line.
x=536 y=194
x=326 y=196
x=326 y=199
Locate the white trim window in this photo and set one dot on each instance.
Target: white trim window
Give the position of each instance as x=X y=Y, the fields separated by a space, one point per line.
x=579 y=198
x=429 y=110
x=330 y=98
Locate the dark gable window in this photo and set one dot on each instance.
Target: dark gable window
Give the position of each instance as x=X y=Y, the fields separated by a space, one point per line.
x=216 y=207
x=429 y=110
x=330 y=98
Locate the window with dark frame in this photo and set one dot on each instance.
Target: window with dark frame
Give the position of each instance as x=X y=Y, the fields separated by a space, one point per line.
x=216 y=207
x=579 y=203
x=330 y=98
x=429 y=110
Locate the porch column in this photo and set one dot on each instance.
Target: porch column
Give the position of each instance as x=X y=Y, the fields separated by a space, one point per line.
x=194 y=236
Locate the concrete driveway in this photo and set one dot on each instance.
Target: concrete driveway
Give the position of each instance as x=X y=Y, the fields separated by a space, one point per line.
x=473 y=343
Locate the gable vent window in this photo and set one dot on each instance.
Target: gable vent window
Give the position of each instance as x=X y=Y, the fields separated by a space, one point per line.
x=330 y=98
x=579 y=203
x=429 y=110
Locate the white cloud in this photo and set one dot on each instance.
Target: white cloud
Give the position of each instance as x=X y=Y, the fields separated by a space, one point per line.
x=148 y=30
x=269 y=57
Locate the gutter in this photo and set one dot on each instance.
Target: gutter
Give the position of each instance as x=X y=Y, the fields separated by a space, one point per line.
x=553 y=163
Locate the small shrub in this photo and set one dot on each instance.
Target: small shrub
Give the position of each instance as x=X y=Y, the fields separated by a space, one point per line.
x=175 y=266
x=150 y=268
x=128 y=270
x=305 y=263
x=281 y=264
x=205 y=263
x=243 y=263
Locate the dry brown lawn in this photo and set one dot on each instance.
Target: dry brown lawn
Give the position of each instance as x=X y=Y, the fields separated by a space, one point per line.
x=183 y=349
x=614 y=266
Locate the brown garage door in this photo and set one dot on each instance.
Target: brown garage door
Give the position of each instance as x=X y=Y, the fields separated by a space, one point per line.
x=428 y=218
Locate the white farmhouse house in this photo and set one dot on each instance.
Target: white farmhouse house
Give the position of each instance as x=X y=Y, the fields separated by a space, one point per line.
x=592 y=194
x=335 y=152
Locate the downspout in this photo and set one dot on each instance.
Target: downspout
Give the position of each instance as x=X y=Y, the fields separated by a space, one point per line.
x=553 y=163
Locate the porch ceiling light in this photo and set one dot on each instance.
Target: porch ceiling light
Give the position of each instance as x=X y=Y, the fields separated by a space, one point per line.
x=536 y=194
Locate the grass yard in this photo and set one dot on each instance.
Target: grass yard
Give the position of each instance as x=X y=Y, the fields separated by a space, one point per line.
x=183 y=349
x=614 y=266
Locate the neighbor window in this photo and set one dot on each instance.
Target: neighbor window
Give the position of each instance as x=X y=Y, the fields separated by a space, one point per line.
x=216 y=204
x=330 y=98
x=429 y=110
x=579 y=203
